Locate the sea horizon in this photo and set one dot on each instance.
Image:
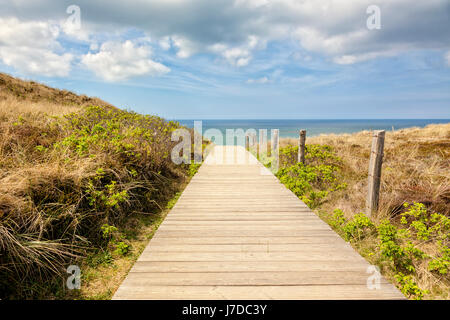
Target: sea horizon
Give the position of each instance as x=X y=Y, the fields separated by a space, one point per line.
x=289 y=127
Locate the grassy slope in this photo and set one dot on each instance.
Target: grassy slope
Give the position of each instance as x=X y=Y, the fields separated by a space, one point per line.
x=78 y=178
x=415 y=169
x=42 y=97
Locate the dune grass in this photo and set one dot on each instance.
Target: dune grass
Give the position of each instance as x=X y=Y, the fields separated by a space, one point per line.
x=69 y=172
x=408 y=238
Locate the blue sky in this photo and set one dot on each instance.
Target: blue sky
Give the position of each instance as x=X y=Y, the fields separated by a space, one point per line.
x=238 y=59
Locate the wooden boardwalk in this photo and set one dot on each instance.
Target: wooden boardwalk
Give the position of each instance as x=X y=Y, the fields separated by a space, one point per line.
x=237 y=233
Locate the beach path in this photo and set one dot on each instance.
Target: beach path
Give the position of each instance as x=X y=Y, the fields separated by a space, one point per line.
x=236 y=232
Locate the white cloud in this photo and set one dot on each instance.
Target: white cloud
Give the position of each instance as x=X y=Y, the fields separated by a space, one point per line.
x=36 y=61
x=260 y=80
x=185 y=47
x=238 y=56
x=118 y=61
x=447 y=58
x=165 y=43
x=334 y=29
x=30 y=47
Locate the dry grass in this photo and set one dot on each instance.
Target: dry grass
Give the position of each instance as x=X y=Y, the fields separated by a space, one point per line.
x=102 y=281
x=63 y=175
x=12 y=106
x=46 y=97
x=416 y=168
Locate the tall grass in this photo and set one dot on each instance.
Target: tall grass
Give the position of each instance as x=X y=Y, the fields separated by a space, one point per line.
x=409 y=236
x=415 y=168
x=65 y=172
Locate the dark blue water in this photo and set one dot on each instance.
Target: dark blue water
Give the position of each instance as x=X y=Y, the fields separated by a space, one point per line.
x=290 y=128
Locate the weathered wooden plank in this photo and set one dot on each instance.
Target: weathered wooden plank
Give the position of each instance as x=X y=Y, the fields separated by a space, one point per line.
x=259 y=266
x=241 y=217
x=251 y=224
x=329 y=292
x=248 y=278
x=157 y=239
x=317 y=255
x=242 y=228
x=246 y=232
x=265 y=247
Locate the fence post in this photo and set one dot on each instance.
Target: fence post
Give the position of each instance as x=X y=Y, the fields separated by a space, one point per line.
x=275 y=150
x=376 y=160
x=301 y=146
x=254 y=148
x=247 y=142
x=262 y=150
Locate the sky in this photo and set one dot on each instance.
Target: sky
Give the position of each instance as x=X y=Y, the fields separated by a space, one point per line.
x=238 y=59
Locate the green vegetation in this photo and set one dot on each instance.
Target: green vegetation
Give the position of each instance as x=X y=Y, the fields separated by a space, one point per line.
x=82 y=184
x=400 y=249
x=411 y=249
x=314 y=181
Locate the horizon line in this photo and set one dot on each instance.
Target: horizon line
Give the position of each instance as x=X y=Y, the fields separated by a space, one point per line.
x=196 y=119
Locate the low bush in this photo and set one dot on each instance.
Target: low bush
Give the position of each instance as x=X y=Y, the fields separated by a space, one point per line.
x=315 y=179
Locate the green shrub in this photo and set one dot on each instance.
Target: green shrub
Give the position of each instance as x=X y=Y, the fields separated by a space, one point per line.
x=424 y=224
x=391 y=248
x=121 y=248
x=358 y=227
x=108 y=231
x=441 y=264
x=173 y=201
x=408 y=287
x=313 y=181
x=99 y=258
x=193 y=168
x=337 y=219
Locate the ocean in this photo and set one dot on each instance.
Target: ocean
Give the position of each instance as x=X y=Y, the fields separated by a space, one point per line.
x=290 y=128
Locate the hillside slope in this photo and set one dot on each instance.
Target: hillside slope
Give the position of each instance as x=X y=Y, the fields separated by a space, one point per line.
x=74 y=171
x=31 y=91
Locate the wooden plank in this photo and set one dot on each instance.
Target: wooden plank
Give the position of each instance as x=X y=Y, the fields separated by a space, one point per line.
x=264 y=247
x=244 y=240
x=217 y=227
x=251 y=224
x=248 y=278
x=238 y=233
x=317 y=255
x=330 y=292
x=239 y=266
x=241 y=217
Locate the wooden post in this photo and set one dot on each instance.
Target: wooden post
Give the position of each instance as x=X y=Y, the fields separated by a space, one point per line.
x=301 y=146
x=275 y=149
x=254 y=145
x=376 y=160
x=262 y=150
x=247 y=142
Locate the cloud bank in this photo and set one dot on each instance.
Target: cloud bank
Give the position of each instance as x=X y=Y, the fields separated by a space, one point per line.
x=229 y=31
x=117 y=61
